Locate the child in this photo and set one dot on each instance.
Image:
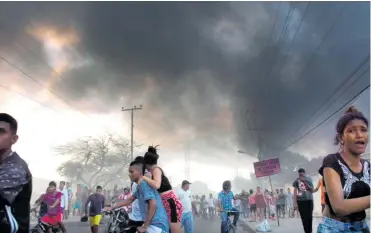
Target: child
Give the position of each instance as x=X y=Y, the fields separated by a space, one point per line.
x=272 y=206
x=252 y=206
x=54 y=214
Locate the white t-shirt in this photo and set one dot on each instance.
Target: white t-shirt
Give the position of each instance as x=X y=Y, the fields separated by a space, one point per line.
x=135 y=214
x=64 y=201
x=185 y=198
x=210 y=202
x=237 y=203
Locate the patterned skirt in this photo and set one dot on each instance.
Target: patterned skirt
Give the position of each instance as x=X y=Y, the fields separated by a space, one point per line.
x=173 y=206
x=329 y=225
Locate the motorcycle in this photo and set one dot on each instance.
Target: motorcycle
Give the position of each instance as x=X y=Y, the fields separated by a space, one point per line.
x=118 y=221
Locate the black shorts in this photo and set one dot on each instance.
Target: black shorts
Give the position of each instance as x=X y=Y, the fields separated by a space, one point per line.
x=253 y=208
x=134 y=225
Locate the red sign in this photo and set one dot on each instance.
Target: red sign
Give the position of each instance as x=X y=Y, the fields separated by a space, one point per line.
x=267 y=167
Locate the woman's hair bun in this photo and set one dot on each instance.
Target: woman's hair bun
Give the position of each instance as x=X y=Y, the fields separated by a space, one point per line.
x=351 y=109
x=153 y=149
x=139 y=159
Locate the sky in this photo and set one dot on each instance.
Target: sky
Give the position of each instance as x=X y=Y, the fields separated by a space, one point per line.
x=213 y=78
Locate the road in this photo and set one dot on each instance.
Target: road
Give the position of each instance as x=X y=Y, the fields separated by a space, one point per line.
x=201 y=226
x=208 y=226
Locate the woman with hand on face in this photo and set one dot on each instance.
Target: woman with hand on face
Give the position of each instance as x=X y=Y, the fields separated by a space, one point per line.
x=347 y=178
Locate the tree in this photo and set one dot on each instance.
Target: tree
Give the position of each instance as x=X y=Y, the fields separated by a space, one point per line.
x=95 y=160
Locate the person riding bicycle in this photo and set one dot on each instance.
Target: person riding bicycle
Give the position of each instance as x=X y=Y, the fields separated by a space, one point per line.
x=226 y=198
x=54 y=215
x=43 y=206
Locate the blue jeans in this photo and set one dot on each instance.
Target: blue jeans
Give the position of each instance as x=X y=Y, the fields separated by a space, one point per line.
x=245 y=211
x=187 y=222
x=224 y=216
x=329 y=225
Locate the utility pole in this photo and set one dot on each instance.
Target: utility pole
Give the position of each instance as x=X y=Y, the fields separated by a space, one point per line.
x=132 y=127
x=187 y=160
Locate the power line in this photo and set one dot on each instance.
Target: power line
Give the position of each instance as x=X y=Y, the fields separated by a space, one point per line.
x=26 y=97
x=36 y=81
x=262 y=89
x=327 y=118
x=282 y=34
x=351 y=75
x=274 y=24
x=287 y=21
x=293 y=39
x=40 y=59
x=33 y=79
x=321 y=43
x=266 y=44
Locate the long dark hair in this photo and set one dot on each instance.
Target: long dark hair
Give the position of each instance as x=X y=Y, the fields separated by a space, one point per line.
x=151 y=156
x=351 y=114
x=227 y=185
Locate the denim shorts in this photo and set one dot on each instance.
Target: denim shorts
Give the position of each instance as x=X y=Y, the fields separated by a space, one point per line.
x=329 y=225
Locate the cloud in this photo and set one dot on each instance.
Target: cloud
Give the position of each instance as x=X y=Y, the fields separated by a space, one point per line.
x=220 y=75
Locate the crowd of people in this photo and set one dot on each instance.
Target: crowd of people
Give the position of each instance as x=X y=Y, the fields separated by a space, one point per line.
x=156 y=208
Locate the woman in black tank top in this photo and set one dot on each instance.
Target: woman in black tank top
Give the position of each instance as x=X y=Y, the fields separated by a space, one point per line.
x=347 y=178
x=159 y=181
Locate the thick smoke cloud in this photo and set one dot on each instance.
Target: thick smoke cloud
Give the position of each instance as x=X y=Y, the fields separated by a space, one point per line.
x=253 y=71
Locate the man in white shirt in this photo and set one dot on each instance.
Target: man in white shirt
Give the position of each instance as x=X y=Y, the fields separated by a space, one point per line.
x=237 y=203
x=211 y=205
x=185 y=198
x=64 y=201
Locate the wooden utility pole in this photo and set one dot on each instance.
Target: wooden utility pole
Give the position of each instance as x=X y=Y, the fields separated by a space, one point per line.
x=132 y=127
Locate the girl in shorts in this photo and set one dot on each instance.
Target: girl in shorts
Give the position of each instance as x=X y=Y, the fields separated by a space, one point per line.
x=252 y=206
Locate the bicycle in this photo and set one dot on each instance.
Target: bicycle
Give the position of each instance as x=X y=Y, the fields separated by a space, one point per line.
x=44 y=227
x=230 y=228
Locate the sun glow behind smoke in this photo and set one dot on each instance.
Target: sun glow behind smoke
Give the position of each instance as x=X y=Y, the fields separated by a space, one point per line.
x=59 y=45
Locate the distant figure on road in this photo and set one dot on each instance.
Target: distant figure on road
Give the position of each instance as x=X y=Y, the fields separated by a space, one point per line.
x=261 y=203
x=65 y=198
x=282 y=203
x=303 y=199
x=252 y=204
x=184 y=195
x=96 y=201
x=290 y=203
x=322 y=187
x=211 y=206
